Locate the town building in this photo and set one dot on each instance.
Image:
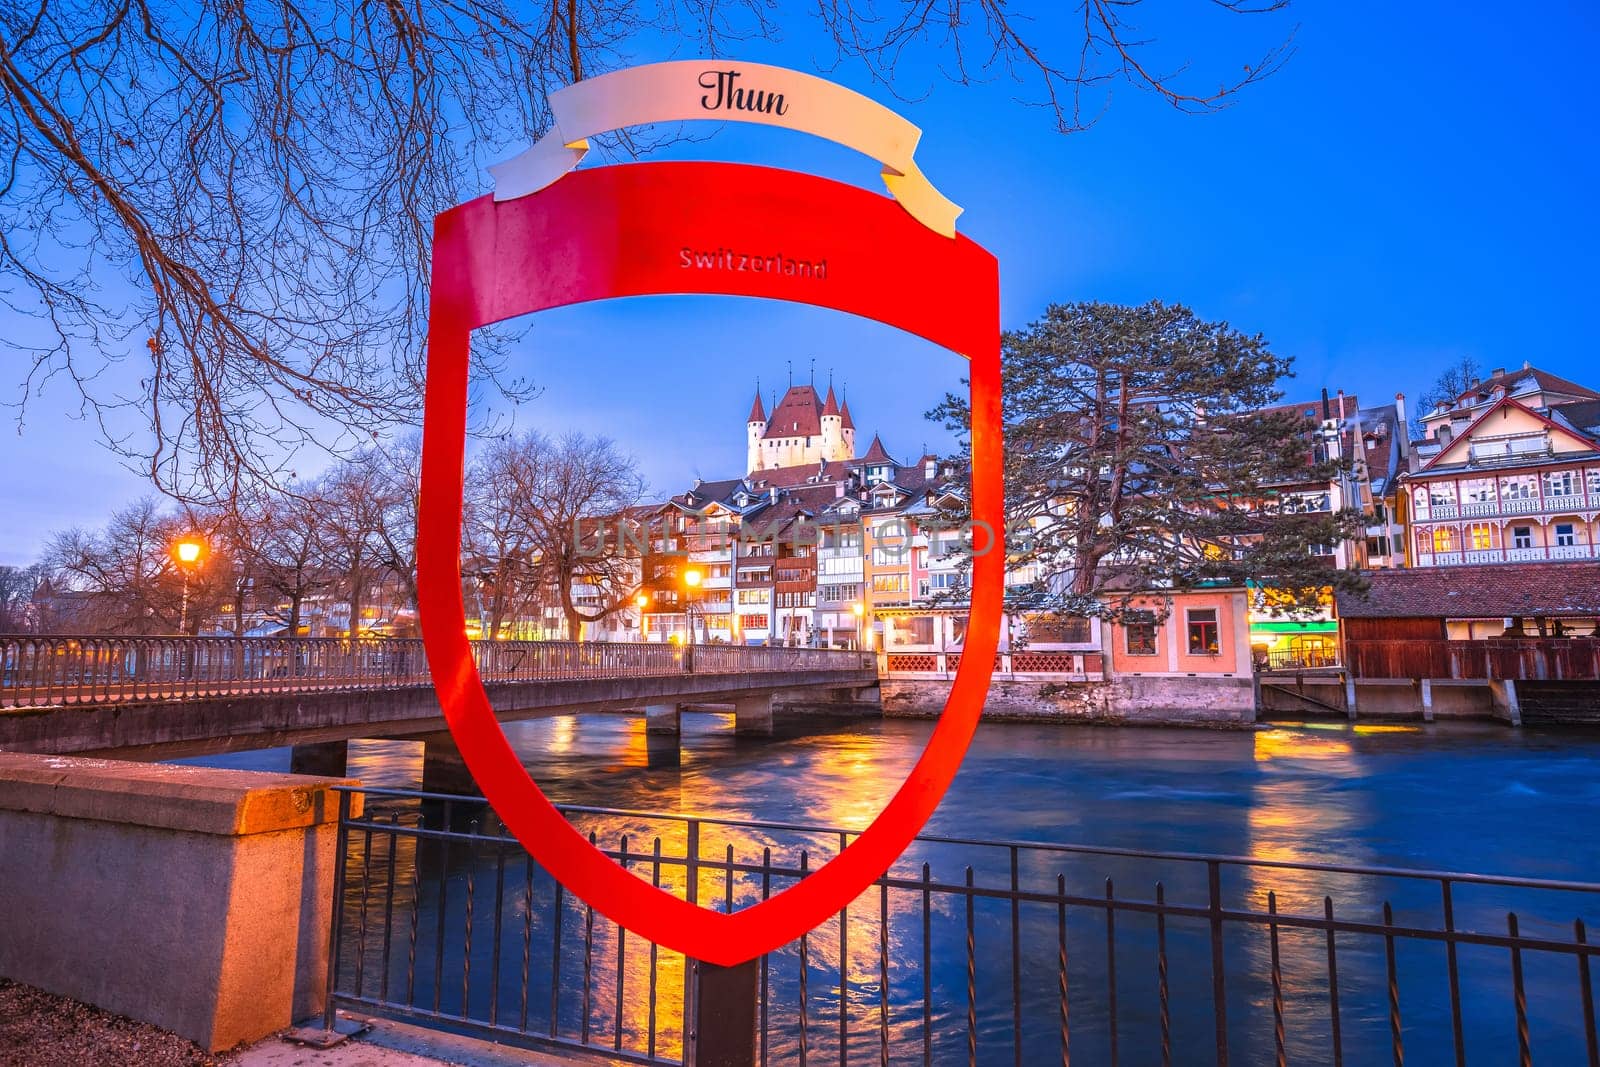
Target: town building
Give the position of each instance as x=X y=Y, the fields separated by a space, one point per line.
x=1506 y=473
x=1371 y=446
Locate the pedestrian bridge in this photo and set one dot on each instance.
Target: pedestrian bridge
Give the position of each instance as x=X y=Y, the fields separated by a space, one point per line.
x=161 y=698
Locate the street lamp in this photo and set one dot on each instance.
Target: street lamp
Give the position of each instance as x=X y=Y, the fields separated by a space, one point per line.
x=187 y=551
x=860 y=611
x=691 y=581
x=642 y=601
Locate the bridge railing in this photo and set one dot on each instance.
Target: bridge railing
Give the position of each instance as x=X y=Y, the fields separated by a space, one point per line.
x=49 y=671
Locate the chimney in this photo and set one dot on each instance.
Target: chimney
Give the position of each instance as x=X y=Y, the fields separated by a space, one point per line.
x=930 y=468
x=1405 y=431
x=1497 y=372
x=772 y=494
x=1341 y=405
x=1325 y=414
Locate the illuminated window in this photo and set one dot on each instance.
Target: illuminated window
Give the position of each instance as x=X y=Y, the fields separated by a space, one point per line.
x=1482 y=535
x=1445 y=539
x=1140 y=631
x=890 y=583
x=1204 y=637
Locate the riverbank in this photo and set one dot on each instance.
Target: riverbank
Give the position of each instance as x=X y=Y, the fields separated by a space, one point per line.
x=39 y=1029
x=1126 y=701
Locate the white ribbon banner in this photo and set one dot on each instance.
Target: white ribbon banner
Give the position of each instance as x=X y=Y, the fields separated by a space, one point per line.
x=728 y=91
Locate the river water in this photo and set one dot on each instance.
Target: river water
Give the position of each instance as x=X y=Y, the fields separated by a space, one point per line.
x=1463 y=798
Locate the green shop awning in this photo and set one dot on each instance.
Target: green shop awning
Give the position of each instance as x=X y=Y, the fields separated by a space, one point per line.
x=1310 y=626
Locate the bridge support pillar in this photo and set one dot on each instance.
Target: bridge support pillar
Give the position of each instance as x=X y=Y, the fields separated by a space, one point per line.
x=443 y=769
x=1427 y=699
x=752 y=716
x=1350 y=695
x=326 y=758
x=662 y=718
x=1506 y=701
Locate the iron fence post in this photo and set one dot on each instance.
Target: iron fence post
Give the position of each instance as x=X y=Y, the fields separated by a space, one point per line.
x=336 y=920
x=1219 y=982
x=720 y=1014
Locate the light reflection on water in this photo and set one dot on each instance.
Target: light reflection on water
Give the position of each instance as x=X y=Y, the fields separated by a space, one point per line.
x=1468 y=798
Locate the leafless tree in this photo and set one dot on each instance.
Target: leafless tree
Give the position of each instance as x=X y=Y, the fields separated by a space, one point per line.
x=126 y=575
x=1454 y=380
x=398 y=469
x=355 y=501
x=237 y=198
x=290 y=551
x=567 y=496
x=500 y=559
x=17 y=585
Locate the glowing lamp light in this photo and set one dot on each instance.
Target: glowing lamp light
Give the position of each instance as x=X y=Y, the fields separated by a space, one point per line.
x=692 y=579
x=859 y=608
x=188 y=550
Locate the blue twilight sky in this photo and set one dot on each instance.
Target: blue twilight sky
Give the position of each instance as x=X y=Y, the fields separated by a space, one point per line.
x=1418 y=184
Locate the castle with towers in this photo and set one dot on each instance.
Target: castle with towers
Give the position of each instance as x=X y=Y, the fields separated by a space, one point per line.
x=804 y=429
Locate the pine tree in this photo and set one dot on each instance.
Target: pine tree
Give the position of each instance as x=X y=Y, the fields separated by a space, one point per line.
x=1139 y=458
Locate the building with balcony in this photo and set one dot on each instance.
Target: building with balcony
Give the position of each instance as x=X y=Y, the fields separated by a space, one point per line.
x=1509 y=473
x=1372 y=443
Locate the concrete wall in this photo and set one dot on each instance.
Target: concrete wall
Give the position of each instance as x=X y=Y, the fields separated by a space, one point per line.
x=191 y=898
x=1379 y=698
x=1178 y=701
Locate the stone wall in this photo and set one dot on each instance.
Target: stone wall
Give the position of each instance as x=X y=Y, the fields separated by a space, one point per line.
x=1180 y=701
x=191 y=898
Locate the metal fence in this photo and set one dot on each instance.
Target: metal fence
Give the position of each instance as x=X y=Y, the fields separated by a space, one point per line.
x=1297 y=659
x=977 y=952
x=57 y=670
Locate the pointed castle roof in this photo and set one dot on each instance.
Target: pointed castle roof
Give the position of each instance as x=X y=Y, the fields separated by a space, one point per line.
x=757 y=412
x=798 y=414
x=831 y=405
x=846 y=422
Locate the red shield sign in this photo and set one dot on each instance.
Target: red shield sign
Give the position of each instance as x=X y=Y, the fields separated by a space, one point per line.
x=631 y=231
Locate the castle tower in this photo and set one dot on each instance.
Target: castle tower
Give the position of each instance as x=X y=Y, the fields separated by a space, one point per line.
x=833 y=429
x=755 y=429
x=847 y=431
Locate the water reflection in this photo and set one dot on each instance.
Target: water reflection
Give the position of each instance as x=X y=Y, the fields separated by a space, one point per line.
x=494 y=938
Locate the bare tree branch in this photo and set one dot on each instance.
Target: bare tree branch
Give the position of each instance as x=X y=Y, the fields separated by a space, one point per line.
x=235 y=198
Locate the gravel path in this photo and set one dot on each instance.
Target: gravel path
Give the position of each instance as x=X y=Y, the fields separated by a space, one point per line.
x=41 y=1030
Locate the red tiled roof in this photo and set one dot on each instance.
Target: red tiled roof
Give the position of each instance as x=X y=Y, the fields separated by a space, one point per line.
x=1544 y=380
x=844 y=411
x=876 y=453
x=757 y=412
x=831 y=406
x=787 y=477
x=1312 y=409
x=798 y=414
x=1481 y=592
